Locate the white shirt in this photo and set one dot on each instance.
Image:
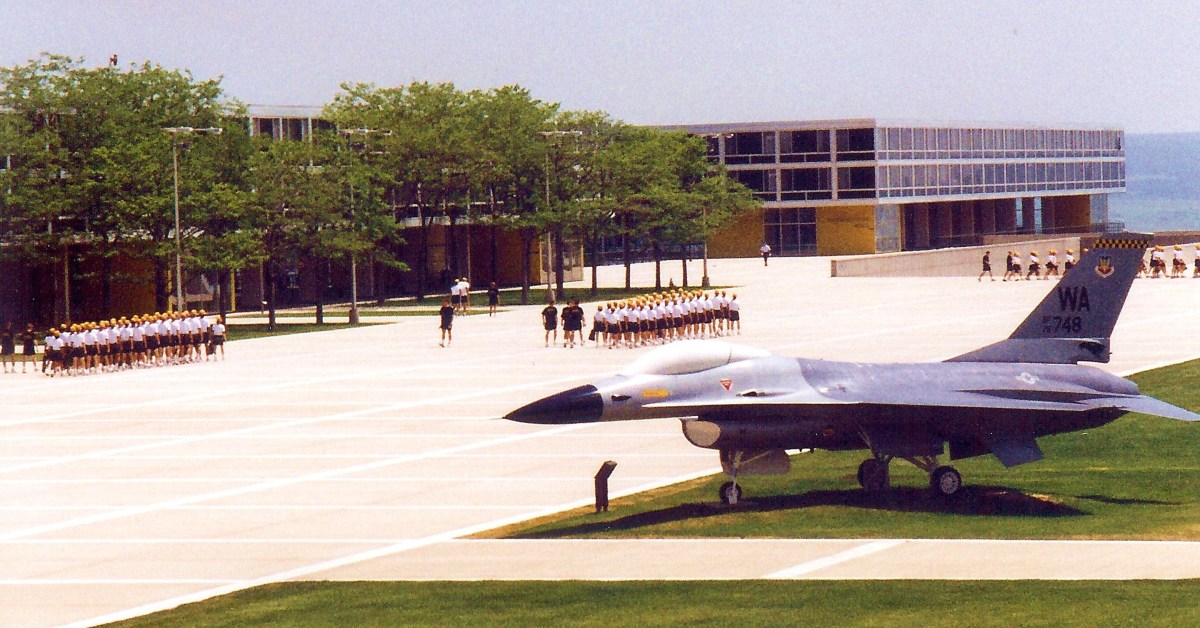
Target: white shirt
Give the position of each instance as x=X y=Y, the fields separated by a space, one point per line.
x=217 y=329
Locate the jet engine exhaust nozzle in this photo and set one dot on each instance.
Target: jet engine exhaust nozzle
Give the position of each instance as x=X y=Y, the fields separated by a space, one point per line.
x=577 y=405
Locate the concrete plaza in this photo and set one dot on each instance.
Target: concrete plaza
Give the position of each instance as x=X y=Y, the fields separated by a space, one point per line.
x=370 y=452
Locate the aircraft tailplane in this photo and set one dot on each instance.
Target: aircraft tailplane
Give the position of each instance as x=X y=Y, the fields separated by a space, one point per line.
x=1074 y=322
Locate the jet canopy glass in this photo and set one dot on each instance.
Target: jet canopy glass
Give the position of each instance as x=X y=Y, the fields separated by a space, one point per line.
x=690 y=356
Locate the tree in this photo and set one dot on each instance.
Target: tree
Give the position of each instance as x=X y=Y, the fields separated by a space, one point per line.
x=508 y=124
x=92 y=176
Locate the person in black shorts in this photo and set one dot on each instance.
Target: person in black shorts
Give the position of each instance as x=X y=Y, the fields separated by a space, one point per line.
x=28 y=348
x=493 y=298
x=550 y=322
x=572 y=317
x=987 y=266
x=447 y=314
x=8 y=347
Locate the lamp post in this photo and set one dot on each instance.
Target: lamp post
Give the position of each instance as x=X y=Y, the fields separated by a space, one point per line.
x=175 y=132
x=704 y=282
x=353 y=317
x=552 y=270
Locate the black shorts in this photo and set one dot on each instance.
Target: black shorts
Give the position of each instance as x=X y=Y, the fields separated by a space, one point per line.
x=152 y=342
x=493 y=299
x=91 y=350
x=987 y=268
x=550 y=326
x=1068 y=265
x=455 y=299
x=735 y=316
x=217 y=340
x=139 y=346
x=1016 y=268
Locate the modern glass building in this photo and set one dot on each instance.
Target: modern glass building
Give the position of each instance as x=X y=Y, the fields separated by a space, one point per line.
x=865 y=186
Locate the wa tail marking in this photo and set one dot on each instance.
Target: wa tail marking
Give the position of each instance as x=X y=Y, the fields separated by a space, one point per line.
x=1074 y=299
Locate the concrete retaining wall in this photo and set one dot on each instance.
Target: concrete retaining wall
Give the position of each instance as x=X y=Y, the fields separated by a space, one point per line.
x=954 y=262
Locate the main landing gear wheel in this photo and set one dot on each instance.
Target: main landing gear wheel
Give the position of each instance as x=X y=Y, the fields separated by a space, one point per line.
x=945 y=481
x=730 y=493
x=873 y=475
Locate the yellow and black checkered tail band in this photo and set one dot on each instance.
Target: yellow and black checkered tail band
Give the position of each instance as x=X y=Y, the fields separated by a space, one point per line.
x=1121 y=243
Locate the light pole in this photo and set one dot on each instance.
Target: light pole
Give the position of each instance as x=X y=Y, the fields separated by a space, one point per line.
x=353 y=318
x=704 y=282
x=551 y=267
x=175 y=132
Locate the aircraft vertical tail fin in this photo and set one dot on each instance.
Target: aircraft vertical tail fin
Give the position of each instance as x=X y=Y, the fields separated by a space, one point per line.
x=1074 y=322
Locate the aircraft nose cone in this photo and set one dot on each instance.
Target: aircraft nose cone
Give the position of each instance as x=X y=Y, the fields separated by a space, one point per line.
x=577 y=405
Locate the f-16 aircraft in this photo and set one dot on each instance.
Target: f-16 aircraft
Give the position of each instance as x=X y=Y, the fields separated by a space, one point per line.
x=753 y=406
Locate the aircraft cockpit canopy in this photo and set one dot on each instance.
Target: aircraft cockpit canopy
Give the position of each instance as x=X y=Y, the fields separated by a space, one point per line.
x=690 y=356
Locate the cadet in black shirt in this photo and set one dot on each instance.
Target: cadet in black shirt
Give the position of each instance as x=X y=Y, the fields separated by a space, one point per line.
x=447 y=314
x=550 y=322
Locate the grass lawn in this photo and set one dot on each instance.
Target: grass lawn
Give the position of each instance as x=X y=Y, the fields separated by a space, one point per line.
x=244 y=332
x=742 y=603
x=1135 y=478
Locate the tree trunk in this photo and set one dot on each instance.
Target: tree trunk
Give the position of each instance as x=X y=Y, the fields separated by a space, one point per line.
x=452 y=246
x=657 y=264
x=685 y=260
x=526 y=253
x=376 y=284
x=322 y=270
x=423 y=262
x=160 y=285
x=222 y=281
x=66 y=284
x=626 y=257
x=595 y=263
x=495 y=259
x=106 y=285
x=560 y=293
x=269 y=279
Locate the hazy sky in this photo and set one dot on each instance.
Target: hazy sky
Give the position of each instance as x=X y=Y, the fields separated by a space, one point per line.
x=1130 y=64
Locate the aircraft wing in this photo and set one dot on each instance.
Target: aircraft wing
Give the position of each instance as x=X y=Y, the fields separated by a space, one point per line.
x=1156 y=407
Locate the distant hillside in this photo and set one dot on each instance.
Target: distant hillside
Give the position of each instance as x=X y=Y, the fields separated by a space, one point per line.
x=1162 y=174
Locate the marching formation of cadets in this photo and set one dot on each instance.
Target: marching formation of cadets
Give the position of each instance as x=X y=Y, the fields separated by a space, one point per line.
x=1157 y=268
x=649 y=319
x=1158 y=264
x=1013 y=267
x=127 y=343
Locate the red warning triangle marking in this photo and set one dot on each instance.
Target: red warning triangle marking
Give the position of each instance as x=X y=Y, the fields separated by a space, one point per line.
x=727 y=383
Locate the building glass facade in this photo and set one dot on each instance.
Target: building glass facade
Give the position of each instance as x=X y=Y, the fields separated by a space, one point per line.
x=940 y=185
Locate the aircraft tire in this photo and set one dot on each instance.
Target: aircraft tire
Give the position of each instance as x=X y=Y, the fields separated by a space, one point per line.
x=873 y=475
x=730 y=493
x=945 y=481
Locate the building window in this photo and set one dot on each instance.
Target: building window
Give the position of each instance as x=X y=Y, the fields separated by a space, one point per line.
x=750 y=148
x=763 y=182
x=803 y=146
x=806 y=184
x=856 y=144
x=856 y=182
x=791 y=231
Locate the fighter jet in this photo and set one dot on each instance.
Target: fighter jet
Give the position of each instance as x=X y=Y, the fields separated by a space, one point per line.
x=753 y=407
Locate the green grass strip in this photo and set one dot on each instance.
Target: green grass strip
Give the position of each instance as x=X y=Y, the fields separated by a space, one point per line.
x=737 y=603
